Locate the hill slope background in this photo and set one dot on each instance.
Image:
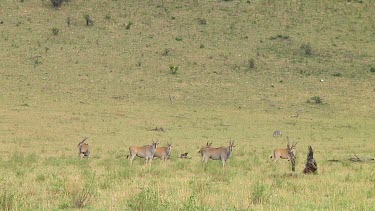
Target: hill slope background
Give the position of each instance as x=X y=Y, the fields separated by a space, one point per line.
x=204 y=71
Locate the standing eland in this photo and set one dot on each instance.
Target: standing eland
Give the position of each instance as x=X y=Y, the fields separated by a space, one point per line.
x=163 y=152
x=286 y=153
x=221 y=153
x=146 y=152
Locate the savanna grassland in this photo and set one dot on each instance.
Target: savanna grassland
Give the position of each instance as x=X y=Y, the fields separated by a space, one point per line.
x=204 y=71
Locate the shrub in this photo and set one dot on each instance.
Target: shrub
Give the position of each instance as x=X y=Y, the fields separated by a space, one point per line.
x=56 y=3
x=315 y=99
x=128 y=25
x=337 y=74
x=192 y=204
x=202 y=21
x=55 y=31
x=166 y=52
x=372 y=69
x=89 y=21
x=173 y=69
x=251 y=63
x=307 y=49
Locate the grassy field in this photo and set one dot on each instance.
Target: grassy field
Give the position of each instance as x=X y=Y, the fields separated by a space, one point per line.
x=204 y=71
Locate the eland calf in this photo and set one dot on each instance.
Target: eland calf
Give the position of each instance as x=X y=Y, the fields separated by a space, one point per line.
x=163 y=152
x=286 y=153
x=221 y=153
x=146 y=152
x=83 y=149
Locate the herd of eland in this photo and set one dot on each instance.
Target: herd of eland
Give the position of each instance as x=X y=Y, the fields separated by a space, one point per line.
x=153 y=151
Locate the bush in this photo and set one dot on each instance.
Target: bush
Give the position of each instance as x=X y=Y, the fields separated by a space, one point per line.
x=315 y=99
x=307 y=48
x=259 y=194
x=372 y=69
x=55 y=31
x=251 y=63
x=173 y=69
x=89 y=21
x=337 y=74
x=56 y=3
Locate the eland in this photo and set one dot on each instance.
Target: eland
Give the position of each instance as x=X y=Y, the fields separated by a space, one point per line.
x=286 y=153
x=163 y=152
x=146 y=152
x=221 y=153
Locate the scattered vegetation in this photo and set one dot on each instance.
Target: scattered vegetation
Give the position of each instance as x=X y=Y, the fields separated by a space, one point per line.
x=315 y=99
x=57 y=3
x=337 y=75
x=89 y=21
x=173 y=69
x=55 y=31
x=202 y=21
x=128 y=25
x=251 y=63
x=307 y=49
x=166 y=52
x=279 y=37
x=113 y=84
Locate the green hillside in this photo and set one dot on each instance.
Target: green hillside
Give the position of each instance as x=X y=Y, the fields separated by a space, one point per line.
x=203 y=71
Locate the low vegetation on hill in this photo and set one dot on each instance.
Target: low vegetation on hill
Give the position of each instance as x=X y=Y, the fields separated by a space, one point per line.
x=127 y=73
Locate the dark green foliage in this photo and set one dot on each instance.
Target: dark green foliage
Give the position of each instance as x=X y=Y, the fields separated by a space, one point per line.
x=192 y=204
x=251 y=63
x=279 y=37
x=128 y=25
x=166 y=52
x=173 y=69
x=307 y=49
x=89 y=21
x=202 y=21
x=57 y=3
x=315 y=99
x=55 y=31
x=337 y=74
x=372 y=69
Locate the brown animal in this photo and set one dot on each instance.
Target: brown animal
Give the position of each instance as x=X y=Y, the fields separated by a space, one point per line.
x=221 y=153
x=83 y=149
x=163 y=152
x=284 y=153
x=146 y=152
x=202 y=149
